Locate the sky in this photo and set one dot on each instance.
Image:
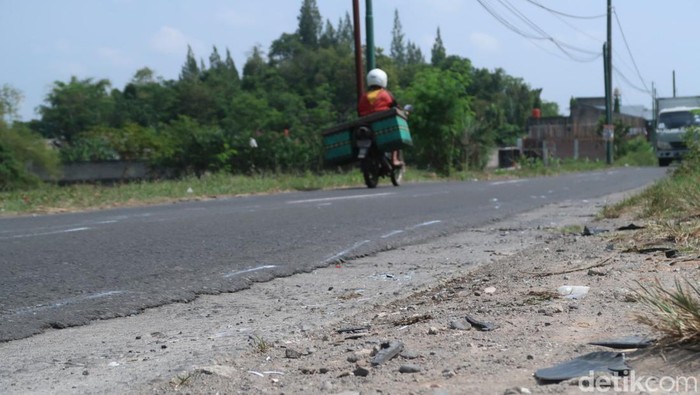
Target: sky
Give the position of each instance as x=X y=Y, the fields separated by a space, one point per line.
x=554 y=45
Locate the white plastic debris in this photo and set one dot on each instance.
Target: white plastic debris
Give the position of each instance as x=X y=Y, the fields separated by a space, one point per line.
x=573 y=291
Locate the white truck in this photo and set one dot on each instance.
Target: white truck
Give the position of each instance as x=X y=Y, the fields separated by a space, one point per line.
x=674 y=116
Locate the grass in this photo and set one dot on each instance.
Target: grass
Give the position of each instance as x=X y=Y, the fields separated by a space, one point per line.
x=675 y=313
x=671 y=208
x=260 y=345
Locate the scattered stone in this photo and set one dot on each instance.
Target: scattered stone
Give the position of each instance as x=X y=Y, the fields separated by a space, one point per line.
x=409 y=369
x=85 y=373
x=448 y=373
x=433 y=330
x=530 y=357
x=353 y=358
x=292 y=354
x=490 y=290
x=361 y=372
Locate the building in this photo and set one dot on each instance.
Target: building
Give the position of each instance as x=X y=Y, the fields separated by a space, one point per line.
x=579 y=136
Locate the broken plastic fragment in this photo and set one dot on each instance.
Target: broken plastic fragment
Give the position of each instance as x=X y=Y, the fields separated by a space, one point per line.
x=573 y=291
x=592 y=231
x=480 y=325
x=630 y=227
x=626 y=342
x=599 y=361
x=388 y=351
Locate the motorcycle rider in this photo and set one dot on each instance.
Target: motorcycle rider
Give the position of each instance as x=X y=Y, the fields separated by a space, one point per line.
x=376 y=99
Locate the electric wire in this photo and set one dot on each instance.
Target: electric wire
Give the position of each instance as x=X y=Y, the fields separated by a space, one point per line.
x=624 y=39
x=630 y=83
x=540 y=33
x=564 y=14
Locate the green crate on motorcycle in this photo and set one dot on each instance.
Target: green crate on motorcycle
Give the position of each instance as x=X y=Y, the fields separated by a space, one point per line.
x=338 y=146
x=390 y=129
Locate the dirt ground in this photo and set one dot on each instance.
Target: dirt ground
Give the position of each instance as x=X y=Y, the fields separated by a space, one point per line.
x=325 y=332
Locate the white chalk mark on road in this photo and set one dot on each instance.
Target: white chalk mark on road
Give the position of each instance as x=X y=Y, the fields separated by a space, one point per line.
x=424 y=224
x=345 y=252
x=394 y=233
x=64 y=302
x=255 y=269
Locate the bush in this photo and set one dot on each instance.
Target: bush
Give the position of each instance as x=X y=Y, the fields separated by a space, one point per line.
x=636 y=151
x=22 y=152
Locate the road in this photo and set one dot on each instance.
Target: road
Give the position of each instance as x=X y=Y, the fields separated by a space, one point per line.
x=66 y=270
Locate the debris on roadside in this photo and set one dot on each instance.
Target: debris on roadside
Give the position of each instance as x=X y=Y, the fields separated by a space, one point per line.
x=597 y=361
x=388 y=351
x=481 y=325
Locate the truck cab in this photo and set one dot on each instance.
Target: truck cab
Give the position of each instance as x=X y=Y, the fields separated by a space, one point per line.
x=670 y=132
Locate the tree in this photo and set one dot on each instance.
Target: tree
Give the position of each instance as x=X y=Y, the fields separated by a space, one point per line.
x=75 y=107
x=398 y=47
x=345 y=33
x=22 y=152
x=190 y=70
x=310 y=24
x=438 y=122
x=438 y=53
x=10 y=100
x=414 y=56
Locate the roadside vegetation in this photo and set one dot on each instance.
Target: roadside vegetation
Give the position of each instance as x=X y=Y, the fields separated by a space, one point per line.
x=671 y=210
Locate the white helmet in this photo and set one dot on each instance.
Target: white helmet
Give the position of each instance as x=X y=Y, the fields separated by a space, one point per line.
x=377 y=77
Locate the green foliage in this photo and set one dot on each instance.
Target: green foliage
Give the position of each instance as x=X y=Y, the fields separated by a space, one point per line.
x=438 y=52
x=310 y=24
x=75 y=107
x=636 y=151
x=88 y=148
x=439 y=119
x=202 y=121
x=191 y=148
x=10 y=99
x=23 y=152
x=691 y=159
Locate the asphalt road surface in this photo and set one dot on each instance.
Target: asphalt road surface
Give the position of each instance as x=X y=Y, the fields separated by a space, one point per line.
x=66 y=270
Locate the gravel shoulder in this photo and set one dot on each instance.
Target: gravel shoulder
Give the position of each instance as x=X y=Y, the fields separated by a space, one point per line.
x=317 y=332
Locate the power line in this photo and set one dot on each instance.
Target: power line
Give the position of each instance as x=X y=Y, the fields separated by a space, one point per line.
x=630 y=83
x=564 y=14
x=624 y=39
x=541 y=34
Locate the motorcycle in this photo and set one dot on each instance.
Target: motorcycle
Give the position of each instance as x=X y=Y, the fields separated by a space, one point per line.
x=374 y=162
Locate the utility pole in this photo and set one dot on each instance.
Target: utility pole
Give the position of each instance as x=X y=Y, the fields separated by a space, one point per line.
x=608 y=131
x=674 y=83
x=371 y=64
x=359 y=75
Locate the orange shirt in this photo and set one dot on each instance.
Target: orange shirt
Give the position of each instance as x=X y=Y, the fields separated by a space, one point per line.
x=375 y=101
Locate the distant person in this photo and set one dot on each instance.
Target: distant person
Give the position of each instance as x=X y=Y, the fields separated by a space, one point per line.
x=377 y=99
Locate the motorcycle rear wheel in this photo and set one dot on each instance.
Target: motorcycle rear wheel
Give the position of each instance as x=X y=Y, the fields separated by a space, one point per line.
x=397 y=175
x=397 y=172
x=370 y=171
